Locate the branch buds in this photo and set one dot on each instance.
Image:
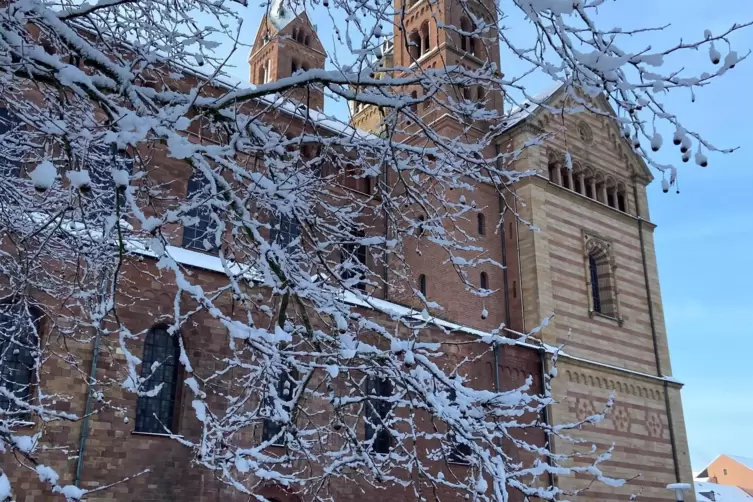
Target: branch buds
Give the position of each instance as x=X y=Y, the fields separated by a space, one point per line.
x=656 y=142
x=686 y=144
x=701 y=159
x=664 y=185
x=714 y=55
x=679 y=134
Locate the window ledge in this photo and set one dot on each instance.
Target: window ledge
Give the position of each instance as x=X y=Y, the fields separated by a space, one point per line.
x=156 y=434
x=618 y=320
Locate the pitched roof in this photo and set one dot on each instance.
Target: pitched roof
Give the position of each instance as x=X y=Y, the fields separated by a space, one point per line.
x=747 y=462
x=712 y=492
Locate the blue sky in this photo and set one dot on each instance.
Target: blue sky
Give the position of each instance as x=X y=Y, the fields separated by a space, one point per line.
x=705 y=234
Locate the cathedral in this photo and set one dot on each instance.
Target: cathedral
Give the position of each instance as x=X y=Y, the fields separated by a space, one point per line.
x=590 y=268
x=592 y=262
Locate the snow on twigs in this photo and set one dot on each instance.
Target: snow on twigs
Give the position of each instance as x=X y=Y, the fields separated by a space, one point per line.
x=290 y=277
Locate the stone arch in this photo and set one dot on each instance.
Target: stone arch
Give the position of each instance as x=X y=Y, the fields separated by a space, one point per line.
x=425 y=40
x=591 y=381
x=577 y=378
x=569 y=375
x=600 y=277
x=414 y=45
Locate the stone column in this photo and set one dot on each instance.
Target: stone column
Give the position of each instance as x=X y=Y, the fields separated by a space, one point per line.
x=592 y=181
x=582 y=184
x=603 y=192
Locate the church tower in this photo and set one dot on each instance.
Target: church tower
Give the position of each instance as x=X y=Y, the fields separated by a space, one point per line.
x=432 y=35
x=285 y=43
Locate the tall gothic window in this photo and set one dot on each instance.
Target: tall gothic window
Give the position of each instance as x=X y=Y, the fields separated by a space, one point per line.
x=199 y=231
x=593 y=271
x=376 y=413
x=481 y=223
x=159 y=365
x=484 y=281
x=422 y=284
x=601 y=279
x=18 y=353
x=284 y=389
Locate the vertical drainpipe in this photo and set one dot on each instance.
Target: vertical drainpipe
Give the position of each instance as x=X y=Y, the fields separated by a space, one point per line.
x=654 y=337
x=87 y=411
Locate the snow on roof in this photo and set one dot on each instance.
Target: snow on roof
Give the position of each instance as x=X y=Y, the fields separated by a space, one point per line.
x=747 y=462
x=712 y=492
x=279 y=15
x=527 y=108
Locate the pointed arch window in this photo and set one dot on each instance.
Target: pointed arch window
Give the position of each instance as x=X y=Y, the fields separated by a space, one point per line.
x=422 y=284
x=484 y=281
x=159 y=366
x=481 y=223
x=19 y=344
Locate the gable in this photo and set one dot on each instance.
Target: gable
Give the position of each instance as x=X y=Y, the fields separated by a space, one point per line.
x=593 y=140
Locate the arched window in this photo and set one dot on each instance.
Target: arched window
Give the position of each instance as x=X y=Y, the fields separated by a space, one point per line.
x=468 y=93
x=422 y=284
x=414 y=45
x=621 y=202
x=577 y=185
x=611 y=197
x=554 y=172
x=600 y=278
x=465 y=27
x=195 y=235
x=481 y=223
x=565 y=176
x=481 y=93
x=467 y=42
x=377 y=410
x=293 y=66
x=306 y=41
x=159 y=366
x=261 y=74
x=424 y=32
x=484 y=281
x=589 y=189
x=19 y=344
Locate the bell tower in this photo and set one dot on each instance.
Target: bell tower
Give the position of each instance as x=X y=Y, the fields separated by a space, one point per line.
x=285 y=43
